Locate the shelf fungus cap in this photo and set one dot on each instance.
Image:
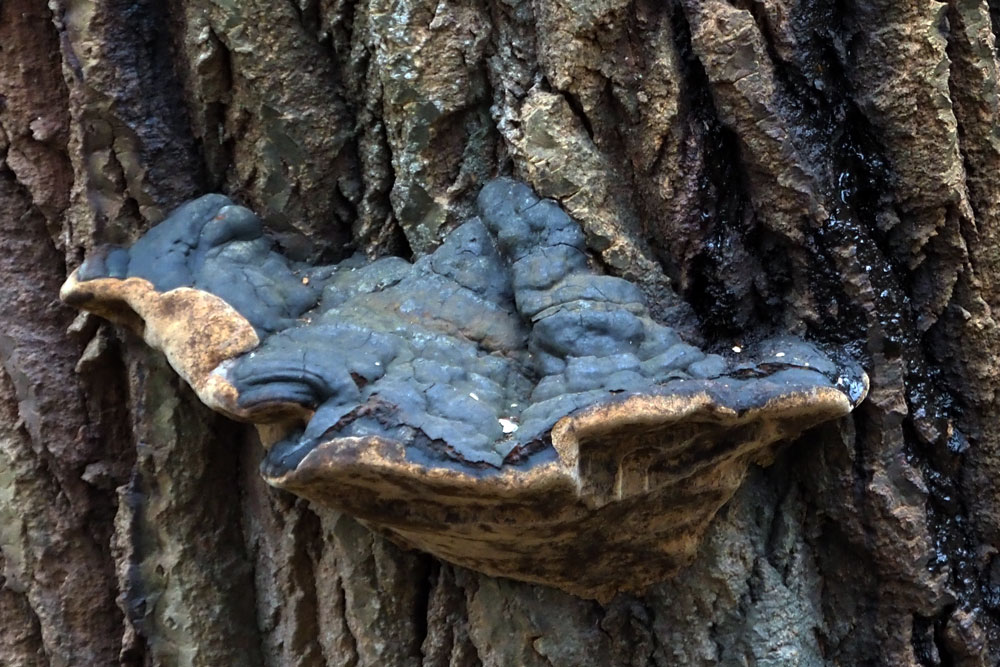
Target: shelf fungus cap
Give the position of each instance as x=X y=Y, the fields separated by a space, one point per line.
x=498 y=403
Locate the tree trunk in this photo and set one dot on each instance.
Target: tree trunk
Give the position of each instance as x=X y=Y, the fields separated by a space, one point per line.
x=830 y=169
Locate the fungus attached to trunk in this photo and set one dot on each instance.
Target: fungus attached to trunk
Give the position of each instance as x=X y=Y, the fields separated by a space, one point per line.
x=497 y=403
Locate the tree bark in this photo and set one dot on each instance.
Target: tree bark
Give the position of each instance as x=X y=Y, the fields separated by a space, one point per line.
x=830 y=169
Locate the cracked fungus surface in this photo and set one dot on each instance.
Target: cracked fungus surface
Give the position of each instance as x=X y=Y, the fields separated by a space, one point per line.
x=503 y=356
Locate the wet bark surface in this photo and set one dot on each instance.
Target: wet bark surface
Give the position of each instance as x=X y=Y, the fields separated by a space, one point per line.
x=756 y=166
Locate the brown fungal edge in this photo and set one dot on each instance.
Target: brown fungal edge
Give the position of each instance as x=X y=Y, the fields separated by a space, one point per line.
x=196 y=330
x=816 y=406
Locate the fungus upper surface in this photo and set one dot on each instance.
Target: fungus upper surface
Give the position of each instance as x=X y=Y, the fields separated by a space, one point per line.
x=502 y=364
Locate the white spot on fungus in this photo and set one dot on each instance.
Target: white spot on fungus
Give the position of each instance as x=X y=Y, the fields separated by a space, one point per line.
x=507 y=425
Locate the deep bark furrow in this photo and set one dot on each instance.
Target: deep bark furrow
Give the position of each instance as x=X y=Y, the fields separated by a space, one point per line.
x=45 y=461
x=710 y=228
x=184 y=575
x=21 y=641
x=34 y=116
x=20 y=635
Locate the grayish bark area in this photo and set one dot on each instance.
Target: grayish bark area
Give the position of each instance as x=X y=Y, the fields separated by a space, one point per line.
x=824 y=168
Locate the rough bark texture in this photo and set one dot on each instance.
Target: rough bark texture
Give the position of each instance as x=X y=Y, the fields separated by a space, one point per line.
x=825 y=168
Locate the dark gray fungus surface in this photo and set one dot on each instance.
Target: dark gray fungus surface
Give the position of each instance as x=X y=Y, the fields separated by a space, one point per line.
x=469 y=355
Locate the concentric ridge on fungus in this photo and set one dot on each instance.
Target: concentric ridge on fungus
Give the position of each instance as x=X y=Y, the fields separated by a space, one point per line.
x=497 y=403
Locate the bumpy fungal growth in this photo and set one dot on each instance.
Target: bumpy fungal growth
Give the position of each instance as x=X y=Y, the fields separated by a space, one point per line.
x=497 y=403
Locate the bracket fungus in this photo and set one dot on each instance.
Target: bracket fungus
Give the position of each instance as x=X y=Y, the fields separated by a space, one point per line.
x=498 y=403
